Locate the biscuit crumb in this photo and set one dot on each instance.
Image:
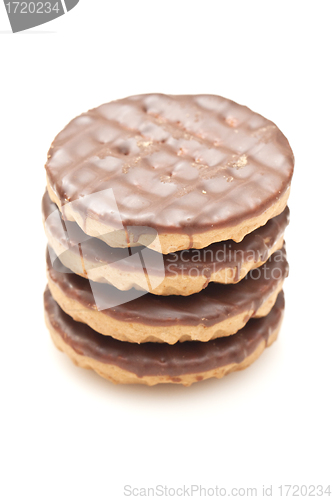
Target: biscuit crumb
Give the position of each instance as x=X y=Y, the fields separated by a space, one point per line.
x=240 y=162
x=165 y=178
x=144 y=144
x=231 y=121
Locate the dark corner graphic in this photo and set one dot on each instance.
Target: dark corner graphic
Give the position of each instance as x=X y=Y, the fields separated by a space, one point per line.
x=25 y=15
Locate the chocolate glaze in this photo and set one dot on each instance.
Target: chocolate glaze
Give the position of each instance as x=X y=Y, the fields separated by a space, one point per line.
x=155 y=359
x=204 y=262
x=184 y=164
x=212 y=305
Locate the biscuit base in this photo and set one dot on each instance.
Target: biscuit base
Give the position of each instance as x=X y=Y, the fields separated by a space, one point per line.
x=120 y=376
x=181 y=284
x=169 y=242
x=140 y=332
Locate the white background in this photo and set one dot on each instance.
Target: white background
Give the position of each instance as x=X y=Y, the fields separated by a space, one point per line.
x=66 y=433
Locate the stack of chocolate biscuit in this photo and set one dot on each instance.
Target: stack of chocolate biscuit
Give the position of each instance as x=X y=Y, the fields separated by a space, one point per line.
x=165 y=218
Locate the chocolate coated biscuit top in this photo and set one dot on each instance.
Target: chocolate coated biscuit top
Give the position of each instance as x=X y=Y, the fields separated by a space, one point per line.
x=156 y=359
x=175 y=163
